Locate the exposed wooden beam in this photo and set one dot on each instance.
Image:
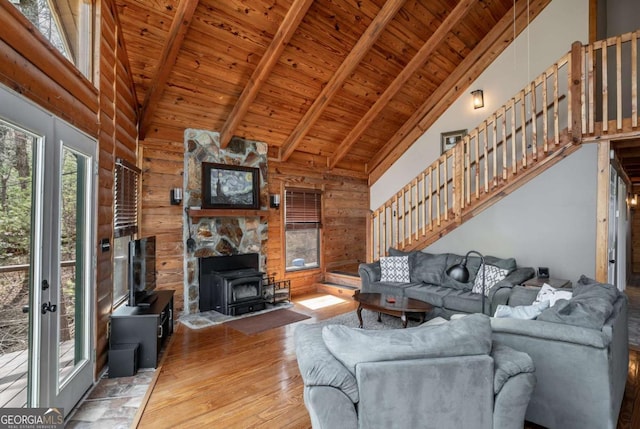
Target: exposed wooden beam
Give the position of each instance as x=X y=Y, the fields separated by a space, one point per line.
x=362 y=46
x=430 y=45
x=469 y=69
x=291 y=21
x=179 y=26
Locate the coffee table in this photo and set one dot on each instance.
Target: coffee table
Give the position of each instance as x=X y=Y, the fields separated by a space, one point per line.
x=382 y=303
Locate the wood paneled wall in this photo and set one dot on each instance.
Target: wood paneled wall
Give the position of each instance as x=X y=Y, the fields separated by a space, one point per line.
x=163 y=169
x=345 y=209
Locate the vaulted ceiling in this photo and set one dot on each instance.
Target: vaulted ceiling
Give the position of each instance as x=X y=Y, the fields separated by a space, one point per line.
x=346 y=85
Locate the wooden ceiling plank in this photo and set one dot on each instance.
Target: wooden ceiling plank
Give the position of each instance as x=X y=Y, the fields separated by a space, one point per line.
x=486 y=51
x=362 y=46
x=270 y=58
x=450 y=22
x=170 y=51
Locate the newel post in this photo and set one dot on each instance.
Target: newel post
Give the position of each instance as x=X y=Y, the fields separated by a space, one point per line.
x=575 y=93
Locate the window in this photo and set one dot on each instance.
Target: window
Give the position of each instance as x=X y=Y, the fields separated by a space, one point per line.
x=65 y=24
x=302 y=213
x=125 y=224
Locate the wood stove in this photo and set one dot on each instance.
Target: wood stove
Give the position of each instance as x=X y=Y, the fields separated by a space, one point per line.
x=231 y=285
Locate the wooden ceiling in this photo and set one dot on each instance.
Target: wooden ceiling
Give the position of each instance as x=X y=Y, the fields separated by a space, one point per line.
x=346 y=85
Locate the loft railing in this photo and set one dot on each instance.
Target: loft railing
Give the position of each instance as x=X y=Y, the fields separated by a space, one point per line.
x=537 y=127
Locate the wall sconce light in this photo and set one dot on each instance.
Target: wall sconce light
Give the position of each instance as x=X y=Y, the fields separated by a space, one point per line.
x=478 y=98
x=634 y=200
x=176 y=196
x=274 y=201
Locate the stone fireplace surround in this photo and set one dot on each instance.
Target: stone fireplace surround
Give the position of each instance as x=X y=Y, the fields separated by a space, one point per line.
x=222 y=235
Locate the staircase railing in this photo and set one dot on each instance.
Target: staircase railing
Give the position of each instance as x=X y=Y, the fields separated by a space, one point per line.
x=538 y=126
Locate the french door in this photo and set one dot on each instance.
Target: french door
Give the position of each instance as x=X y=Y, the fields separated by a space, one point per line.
x=48 y=189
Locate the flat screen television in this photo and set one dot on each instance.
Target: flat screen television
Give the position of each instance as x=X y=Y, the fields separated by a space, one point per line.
x=142 y=271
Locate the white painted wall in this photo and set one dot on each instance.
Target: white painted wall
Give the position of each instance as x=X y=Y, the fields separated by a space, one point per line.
x=549 y=37
x=549 y=222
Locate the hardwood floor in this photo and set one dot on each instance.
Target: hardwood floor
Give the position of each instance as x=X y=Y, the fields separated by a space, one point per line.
x=218 y=377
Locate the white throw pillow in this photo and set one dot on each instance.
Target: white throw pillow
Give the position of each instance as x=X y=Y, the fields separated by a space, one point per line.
x=551 y=294
x=527 y=312
x=493 y=275
x=394 y=269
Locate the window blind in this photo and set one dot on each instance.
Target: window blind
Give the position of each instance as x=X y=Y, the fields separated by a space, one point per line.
x=125 y=201
x=302 y=208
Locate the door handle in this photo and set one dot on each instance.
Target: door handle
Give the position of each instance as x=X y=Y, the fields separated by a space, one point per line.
x=47 y=306
x=612 y=261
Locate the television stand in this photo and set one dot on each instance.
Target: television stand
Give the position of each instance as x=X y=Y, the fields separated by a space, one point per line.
x=147 y=326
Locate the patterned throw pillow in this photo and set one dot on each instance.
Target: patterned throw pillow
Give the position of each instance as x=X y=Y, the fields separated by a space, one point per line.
x=394 y=269
x=493 y=275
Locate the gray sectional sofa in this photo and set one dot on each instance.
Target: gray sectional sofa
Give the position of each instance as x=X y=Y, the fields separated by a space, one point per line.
x=430 y=283
x=431 y=376
x=580 y=351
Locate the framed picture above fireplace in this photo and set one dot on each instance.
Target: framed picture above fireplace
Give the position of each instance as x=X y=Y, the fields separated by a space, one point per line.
x=230 y=186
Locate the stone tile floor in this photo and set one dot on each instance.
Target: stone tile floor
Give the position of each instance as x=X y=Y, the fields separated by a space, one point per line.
x=112 y=403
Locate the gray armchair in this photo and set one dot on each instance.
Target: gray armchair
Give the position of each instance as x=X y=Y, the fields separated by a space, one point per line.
x=440 y=376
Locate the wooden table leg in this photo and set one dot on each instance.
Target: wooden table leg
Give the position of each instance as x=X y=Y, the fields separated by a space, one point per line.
x=359 y=313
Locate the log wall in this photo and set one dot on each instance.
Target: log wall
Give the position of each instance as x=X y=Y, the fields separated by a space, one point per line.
x=344 y=213
x=117 y=138
x=30 y=66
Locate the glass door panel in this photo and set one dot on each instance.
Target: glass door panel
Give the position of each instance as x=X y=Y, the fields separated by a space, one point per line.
x=47 y=246
x=17 y=150
x=69 y=297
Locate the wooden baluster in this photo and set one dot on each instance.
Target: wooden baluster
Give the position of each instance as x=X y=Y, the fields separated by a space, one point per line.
x=438 y=208
x=619 y=83
x=605 y=88
x=505 y=169
x=416 y=210
x=424 y=203
x=634 y=79
x=590 y=88
x=385 y=229
x=545 y=112
x=534 y=122
x=467 y=170
x=485 y=154
x=523 y=119
x=458 y=181
x=402 y=230
x=556 y=107
x=476 y=145
x=494 y=128
x=445 y=186
x=395 y=240
x=430 y=199
x=514 y=162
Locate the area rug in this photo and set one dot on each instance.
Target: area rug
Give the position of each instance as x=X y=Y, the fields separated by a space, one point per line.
x=264 y=322
x=206 y=319
x=369 y=321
